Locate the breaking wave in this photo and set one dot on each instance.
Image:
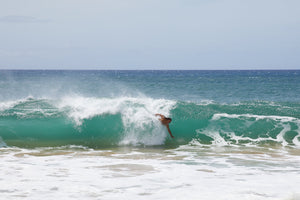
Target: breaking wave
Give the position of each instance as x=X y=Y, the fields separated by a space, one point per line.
x=106 y=122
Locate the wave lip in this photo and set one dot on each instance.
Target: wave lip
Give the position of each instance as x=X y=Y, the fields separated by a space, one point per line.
x=257 y=117
x=80 y=108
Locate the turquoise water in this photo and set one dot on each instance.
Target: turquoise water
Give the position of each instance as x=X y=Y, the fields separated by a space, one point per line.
x=102 y=109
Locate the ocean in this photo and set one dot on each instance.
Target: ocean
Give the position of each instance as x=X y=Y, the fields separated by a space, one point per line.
x=93 y=134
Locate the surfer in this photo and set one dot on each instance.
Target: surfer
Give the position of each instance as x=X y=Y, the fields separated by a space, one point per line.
x=165 y=121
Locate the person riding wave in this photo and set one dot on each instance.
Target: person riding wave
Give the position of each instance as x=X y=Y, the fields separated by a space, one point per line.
x=165 y=121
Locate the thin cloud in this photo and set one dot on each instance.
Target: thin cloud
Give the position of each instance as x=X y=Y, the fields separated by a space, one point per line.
x=16 y=53
x=21 y=19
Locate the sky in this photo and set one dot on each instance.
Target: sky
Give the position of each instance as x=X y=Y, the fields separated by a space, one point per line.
x=150 y=34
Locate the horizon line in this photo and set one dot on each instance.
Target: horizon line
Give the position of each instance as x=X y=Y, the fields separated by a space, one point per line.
x=117 y=69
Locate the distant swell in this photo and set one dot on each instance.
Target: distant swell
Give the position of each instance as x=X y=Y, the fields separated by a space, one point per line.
x=106 y=122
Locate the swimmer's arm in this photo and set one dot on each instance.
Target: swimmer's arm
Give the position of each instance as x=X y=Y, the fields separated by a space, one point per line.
x=169 y=131
x=159 y=115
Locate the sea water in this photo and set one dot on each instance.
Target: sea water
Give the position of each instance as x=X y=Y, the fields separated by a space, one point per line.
x=94 y=134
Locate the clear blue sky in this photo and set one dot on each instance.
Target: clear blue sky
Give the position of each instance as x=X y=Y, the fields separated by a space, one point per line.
x=150 y=34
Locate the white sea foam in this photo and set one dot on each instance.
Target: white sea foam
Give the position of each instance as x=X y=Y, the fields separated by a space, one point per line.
x=6 y=105
x=283 y=123
x=2 y=143
x=257 y=117
x=205 y=102
x=296 y=139
x=280 y=136
x=183 y=173
x=30 y=107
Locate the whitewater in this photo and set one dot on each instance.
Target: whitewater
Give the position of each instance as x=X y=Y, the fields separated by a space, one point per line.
x=94 y=134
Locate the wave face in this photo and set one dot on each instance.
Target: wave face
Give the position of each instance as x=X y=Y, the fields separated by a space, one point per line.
x=107 y=122
x=83 y=121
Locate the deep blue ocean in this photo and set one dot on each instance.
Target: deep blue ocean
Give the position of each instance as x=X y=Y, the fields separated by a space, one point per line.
x=102 y=108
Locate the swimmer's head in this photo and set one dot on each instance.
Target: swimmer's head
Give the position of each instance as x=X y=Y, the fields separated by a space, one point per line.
x=169 y=119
